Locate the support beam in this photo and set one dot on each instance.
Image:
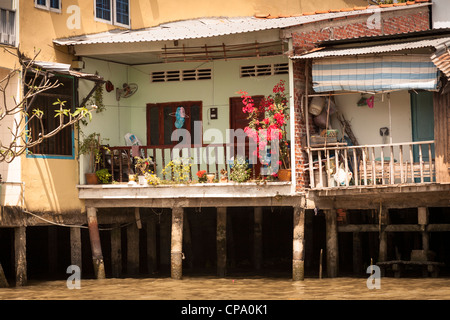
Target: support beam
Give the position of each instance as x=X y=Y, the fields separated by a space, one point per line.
x=20 y=250
x=116 y=251
x=332 y=243
x=96 y=248
x=176 y=261
x=132 y=249
x=357 y=254
x=422 y=218
x=75 y=247
x=298 y=263
x=384 y=222
x=151 y=245
x=221 y=241
x=257 y=237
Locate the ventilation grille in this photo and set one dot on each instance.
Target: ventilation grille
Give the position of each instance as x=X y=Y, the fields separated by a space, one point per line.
x=264 y=70
x=181 y=75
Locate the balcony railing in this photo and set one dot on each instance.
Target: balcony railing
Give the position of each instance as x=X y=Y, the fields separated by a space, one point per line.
x=212 y=158
x=8 y=27
x=371 y=165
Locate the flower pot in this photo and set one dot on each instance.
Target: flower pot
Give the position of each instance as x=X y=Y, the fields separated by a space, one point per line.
x=142 y=180
x=91 y=178
x=284 y=174
x=210 y=177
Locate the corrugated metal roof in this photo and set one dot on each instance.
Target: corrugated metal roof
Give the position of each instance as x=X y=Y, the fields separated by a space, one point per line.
x=63 y=68
x=373 y=49
x=441 y=58
x=213 y=27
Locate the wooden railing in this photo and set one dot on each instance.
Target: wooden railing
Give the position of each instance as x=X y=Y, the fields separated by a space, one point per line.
x=370 y=165
x=212 y=158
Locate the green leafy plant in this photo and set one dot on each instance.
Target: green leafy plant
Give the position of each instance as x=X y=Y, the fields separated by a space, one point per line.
x=103 y=176
x=178 y=169
x=239 y=171
x=91 y=145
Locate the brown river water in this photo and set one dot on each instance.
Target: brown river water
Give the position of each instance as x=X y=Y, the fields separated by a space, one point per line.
x=246 y=288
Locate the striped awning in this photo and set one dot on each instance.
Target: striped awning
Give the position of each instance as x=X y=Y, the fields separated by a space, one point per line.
x=374 y=73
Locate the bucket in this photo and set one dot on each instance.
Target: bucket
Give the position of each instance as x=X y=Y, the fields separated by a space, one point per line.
x=316 y=106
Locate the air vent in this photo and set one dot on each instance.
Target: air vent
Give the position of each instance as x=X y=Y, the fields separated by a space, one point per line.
x=182 y=75
x=264 y=70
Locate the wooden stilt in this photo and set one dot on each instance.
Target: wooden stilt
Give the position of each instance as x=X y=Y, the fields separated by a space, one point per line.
x=3 y=281
x=332 y=243
x=309 y=248
x=176 y=262
x=221 y=241
x=298 y=263
x=75 y=247
x=257 y=237
x=133 y=249
x=52 y=245
x=116 y=251
x=187 y=241
x=20 y=250
x=384 y=221
x=151 y=245
x=96 y=248
x=422 y=218
x=357 y=253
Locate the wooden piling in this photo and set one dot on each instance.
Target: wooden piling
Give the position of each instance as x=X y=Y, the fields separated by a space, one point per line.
x=257 y=237
x=75 y=246
x=96 y=248
x=357 y=253
x=332 y=243
x=20 y=250
x=422 y=218
x=151 y=245
x=176 y=262
x=132 y=249
x=298 y=263
x=116 y=251
x=221 y=241
x=384 y=221
x=3 y=281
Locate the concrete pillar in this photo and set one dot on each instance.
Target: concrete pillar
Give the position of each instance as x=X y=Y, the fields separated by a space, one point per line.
x=257 y=237
x=298 y=263
x=96 y=248
x=75 y=247
x=132 y=249
x=20 y=251
x=332 y=243
x=176 y=262
x=116 y=251
x=221 y=241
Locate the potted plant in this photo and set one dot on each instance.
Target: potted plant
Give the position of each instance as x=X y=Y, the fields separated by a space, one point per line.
x=91 y=146
x=239 y=171
x=142 y=167
x=201 y=176
x=274 y=112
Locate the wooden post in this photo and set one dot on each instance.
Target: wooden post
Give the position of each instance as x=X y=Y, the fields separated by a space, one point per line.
x=298 y=263
x=75 y=247
x=257 y=234
x=332 y=243
x=384 y=221
x=422 y=218
x=96 y=248
x=357 y=253
x=221 y=241
x=133 y=249
x=151 y=245
x=3 y=281
x=20 y=250
x=176 y=261
x=116 y=251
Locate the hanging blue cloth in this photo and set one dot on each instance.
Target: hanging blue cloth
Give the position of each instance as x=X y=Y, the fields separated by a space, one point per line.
x=180 y=115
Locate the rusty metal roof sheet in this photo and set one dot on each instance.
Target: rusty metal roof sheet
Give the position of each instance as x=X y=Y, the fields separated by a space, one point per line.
x=417 y=44
x=212 y=27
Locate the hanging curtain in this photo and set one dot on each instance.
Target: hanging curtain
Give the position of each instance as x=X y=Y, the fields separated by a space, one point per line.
x=374 y=73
